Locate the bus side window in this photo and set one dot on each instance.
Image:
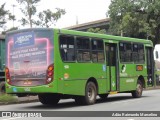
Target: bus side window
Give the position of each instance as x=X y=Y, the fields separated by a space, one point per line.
x=97 y=50
x=141 y=57
x=83 y=49
x=122 y=50
x=67 y=48
x=128 y=52
x=125 y=52
x=135 y=53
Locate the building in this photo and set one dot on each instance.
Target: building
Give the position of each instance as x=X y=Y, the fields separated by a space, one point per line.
x=102 y=24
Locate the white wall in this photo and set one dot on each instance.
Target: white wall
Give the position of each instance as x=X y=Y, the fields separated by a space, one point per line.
x=157 y=60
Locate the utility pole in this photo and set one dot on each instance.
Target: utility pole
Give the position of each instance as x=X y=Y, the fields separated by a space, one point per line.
x=76 y=20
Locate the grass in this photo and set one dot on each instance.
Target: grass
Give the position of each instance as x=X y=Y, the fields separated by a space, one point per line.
x=6 y=98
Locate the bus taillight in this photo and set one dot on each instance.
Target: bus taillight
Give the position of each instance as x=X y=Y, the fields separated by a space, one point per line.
x=8 y=79
x=50 y=73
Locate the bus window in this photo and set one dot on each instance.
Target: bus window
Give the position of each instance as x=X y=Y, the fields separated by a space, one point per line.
x=97 y=51
x=125 y=52
x=141 y=53
x=67 y=48
x=128 y=52
x=122 y=49
x=83 y=49
x=135 y=53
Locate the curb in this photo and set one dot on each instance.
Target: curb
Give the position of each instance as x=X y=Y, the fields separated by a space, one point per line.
x=152 y=88
x=21 y=100
x=17 y=102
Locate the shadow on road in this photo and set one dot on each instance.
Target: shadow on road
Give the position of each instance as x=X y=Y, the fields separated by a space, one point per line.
x=72 y=104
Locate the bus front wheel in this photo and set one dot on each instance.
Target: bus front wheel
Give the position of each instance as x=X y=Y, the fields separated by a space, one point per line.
x=49 y=99
x=90 y=95
x=139 y=89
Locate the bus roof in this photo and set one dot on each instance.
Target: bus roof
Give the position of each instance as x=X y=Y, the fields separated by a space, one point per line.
x=105 y=36
x=89 y=34
x=27 y=29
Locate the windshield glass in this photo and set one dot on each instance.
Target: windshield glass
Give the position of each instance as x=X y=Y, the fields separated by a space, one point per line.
x=29 y=53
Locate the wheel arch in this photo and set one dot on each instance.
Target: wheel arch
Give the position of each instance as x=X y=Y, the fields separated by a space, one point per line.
x=94 y=80
x=142 y=80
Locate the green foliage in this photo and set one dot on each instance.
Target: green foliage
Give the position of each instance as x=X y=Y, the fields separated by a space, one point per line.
x=97 y=30
x=136 y=18
x=29 y=10
x=5 y=15
x=5 y=98
x=47 y=17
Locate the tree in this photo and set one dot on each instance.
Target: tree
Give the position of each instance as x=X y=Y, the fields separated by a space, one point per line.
x=5 y=16
x=29 y=10
x=47 y=17
x=136 y=18
x=97 y=30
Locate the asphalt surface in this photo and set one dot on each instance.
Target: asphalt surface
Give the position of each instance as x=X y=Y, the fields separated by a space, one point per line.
x=150 y=101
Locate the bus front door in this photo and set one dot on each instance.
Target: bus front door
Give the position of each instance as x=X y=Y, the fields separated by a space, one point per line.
x=150 y=66
x=112 y=66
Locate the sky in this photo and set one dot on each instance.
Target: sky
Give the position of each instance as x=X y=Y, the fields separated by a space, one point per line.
x=76 y=10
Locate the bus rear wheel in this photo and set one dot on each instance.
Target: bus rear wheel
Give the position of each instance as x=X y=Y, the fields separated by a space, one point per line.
x=90 y=95
x=139 y=89
x=49 y=99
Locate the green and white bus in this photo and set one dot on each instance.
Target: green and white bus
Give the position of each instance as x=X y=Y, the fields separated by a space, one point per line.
x=58 y=63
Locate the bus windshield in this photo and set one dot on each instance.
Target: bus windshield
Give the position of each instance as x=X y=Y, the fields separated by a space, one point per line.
x=29 y=53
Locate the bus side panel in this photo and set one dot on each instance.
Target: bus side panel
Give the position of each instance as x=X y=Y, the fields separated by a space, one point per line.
x=129 y=76
x=77 y=74
x=72 y=77
x=58 y=66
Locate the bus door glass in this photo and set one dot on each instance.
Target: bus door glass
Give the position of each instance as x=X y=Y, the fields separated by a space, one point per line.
x=111 y=53
x=150 y=69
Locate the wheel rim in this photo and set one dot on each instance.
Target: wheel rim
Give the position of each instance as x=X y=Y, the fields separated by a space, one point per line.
x=139 y=89
x=91 y=93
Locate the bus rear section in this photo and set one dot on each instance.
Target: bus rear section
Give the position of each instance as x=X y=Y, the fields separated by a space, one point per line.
x=30 y=62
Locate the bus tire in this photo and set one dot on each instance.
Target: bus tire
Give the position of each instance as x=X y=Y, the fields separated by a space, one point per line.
x=2 y=87
x=103 y=96
x=49 y=99
x=90 y=95
x=139 y=89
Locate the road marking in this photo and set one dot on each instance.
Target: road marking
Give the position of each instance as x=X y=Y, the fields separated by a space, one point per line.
x=11 y=118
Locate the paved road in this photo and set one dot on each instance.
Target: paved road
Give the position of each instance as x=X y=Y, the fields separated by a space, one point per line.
x=150 y=101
